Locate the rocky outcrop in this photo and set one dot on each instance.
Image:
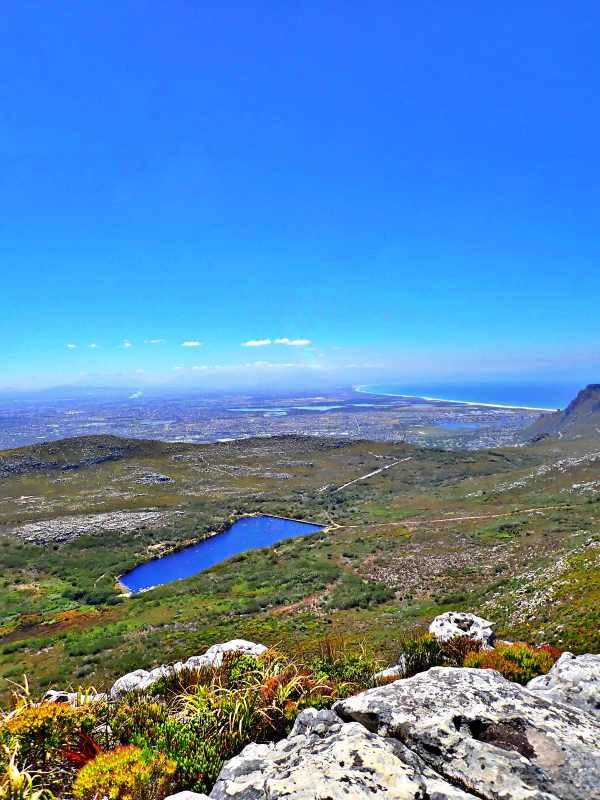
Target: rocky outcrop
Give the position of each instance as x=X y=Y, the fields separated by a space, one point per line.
x=574 y=680
x=141 y=679
x=456 y=623
x=74 y=698
x=326 y=759
x=485 y=734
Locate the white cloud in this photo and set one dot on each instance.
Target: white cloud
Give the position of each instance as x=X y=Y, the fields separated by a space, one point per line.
x=94 y=346
x=281 y=340
x=126 y=343
x=191 y=343
x=257 y=343
x=293 y=342
x=154 y=341
x=71 y=346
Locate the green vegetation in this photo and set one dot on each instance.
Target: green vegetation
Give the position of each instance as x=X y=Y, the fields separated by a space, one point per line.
x=519 y=662
x=177 y=735
x=500 y=533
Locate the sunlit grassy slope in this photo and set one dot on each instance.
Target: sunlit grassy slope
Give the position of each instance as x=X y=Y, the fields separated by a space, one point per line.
x=512 y=534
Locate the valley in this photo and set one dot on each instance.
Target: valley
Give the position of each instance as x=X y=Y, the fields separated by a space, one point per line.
x=511 y=533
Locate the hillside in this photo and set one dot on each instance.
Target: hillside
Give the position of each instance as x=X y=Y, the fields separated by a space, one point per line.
x=580 y=419
x=480 y=530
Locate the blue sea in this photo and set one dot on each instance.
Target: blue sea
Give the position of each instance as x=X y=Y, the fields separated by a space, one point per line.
x=549 y=396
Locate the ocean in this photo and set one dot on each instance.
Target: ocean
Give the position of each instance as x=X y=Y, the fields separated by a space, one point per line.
x=547 y=396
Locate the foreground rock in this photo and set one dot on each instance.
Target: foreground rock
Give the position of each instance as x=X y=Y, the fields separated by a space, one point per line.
x=326 y=759
x=574 y=680
x=486 y=734
x=456 y=623
x=141 y=679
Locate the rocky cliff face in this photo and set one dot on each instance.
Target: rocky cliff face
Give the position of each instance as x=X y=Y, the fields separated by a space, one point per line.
x=580 y=418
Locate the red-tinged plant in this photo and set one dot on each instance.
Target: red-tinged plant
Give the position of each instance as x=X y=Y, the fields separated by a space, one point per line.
x=84 y=749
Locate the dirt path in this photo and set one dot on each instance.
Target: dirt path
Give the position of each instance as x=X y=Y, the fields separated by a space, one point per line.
x=406 y=522
x=370 y=474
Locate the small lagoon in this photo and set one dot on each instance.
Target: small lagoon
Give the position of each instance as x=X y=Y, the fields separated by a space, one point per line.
x=245 y=534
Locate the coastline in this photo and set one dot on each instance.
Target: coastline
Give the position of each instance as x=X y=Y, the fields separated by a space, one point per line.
x=363 y=388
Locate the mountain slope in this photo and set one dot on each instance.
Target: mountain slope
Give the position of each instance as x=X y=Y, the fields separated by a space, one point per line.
x=581 y=418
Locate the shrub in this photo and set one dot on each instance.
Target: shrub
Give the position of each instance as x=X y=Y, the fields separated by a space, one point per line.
x=493 y=659
x=198 y=760
x=420 y=653
x=350 y=670
x=126 y=773
x=353 y=592
x=519 y=662
x=457 y=648
x=42 y=730
x=18 y=784
x=136 y=716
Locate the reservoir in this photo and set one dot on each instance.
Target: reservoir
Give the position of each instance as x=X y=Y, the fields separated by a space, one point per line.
x=246 y=534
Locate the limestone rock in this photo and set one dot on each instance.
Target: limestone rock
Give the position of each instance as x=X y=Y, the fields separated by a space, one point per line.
x=574 y=680
x=74 y=698
x=390 y=674
x=141 y=679
x=214 y=655
x=135 y=681
x=456 y=623
x=325 y=759
x=187 y=796
x=486 y=734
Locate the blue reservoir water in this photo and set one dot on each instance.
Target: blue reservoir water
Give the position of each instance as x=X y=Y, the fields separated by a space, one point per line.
x=245 y=534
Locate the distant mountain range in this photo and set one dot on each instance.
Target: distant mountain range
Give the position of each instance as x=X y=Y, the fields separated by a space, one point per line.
x=581 y=418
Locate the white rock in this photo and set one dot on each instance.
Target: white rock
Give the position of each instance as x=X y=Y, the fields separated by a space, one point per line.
x=574 y=680
x=135 y=681
x=389 y=674
x=325 y=759
x=187 y=796
x=214 y=655
x=141 y=679
x=456 y=623
x=74 y=698
x=486 y=734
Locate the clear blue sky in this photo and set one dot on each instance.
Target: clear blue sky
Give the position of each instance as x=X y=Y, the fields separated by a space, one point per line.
x=413 y=187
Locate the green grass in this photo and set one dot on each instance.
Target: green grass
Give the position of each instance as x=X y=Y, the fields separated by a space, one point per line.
x=63 y=621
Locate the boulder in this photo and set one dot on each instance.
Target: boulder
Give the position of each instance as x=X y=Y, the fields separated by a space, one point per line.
x=135 y=681
x=390 y=674
x=574 y=680
x=141 y=679
x=326 y=759
x=74 y=698
x=485 y=734
x=456 y=623
x=59 y=696
x=214 y=655
x=187 y=796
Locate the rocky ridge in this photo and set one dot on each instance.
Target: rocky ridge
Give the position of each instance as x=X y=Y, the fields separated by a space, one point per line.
x=445 y=734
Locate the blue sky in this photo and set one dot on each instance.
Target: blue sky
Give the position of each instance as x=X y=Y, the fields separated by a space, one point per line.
x=402 y=190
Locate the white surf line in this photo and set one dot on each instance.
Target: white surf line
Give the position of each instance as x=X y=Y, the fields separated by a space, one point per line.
x=362 y=390
x=370 y=474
